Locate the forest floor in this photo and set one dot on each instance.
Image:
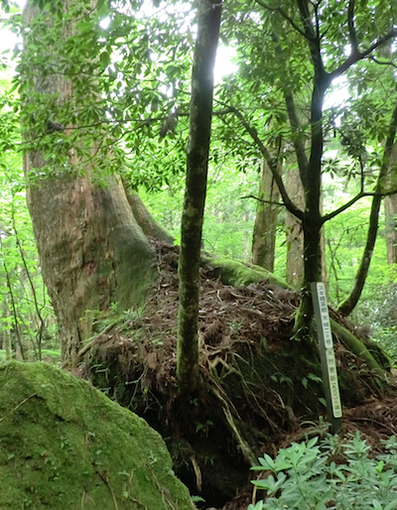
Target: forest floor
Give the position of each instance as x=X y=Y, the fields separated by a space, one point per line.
x=263 y=389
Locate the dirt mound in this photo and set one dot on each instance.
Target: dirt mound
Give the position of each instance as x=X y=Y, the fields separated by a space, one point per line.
x=261 y=384
x=66 y=446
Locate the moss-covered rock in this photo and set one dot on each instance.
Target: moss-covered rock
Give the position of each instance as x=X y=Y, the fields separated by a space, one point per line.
x=64 y=445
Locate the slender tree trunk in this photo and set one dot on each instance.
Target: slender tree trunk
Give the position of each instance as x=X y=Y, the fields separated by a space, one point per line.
x=351 y=301
x=92 y=251
x=6 y=331
x=209 y=18
x=312 y=220
x=264 y=238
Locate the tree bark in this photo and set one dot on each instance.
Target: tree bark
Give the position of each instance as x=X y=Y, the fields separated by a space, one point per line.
x=92 y=251
x=209 y=18
x=264 y=237
x=145 y=220
x=391 y=211
x=294 y=232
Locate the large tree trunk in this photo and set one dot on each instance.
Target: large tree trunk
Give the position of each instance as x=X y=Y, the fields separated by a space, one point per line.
x=92 y=251
x=294 y=231
x=264 y=238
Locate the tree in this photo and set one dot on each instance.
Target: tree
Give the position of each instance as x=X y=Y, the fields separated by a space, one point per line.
x=209 y=18
x=267 y=209
x=294 y=234
x=92 y=251
x=301 y=31
x=294 y=33
x=350 y=302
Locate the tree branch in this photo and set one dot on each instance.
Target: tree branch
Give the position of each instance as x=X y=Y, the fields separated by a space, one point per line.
x=351 y=202
x=346 y=206
x=270 y=202
x=251 y=130
x=354 y=58
x=384 y=63
x=299 y=146
x=283 y=14
x=297 y=142
x=310 y=33
x=351 y=301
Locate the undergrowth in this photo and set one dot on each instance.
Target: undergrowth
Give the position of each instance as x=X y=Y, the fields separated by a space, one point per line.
x=329 y=474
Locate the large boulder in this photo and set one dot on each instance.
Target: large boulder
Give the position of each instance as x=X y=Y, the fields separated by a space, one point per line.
x=64 y=445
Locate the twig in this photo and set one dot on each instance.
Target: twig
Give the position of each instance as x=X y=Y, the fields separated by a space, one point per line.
x=376 y=422
x=105 y=481
x=18 y=406
x=384 y=63
x=263 y=201
x=87 y=347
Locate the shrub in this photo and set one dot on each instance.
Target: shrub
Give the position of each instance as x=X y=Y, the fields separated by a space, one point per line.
x=329 y=474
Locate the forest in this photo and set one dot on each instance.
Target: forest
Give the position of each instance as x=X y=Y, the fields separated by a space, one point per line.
x=175 y=178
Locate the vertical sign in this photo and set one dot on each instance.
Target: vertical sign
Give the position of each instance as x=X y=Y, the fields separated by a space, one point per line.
x=328 y=364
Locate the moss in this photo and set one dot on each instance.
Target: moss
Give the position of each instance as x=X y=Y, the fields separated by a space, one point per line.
x=64 y=445
x=239 y=274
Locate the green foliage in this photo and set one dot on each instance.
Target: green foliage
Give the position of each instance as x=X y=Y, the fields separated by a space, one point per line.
x=26 y=313
x=329 y=473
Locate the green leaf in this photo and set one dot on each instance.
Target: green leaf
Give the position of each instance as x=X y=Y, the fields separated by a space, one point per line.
x=104 y=57
x=392 y=505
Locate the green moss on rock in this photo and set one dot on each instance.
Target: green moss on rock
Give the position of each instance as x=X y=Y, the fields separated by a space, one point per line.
x=64 y=445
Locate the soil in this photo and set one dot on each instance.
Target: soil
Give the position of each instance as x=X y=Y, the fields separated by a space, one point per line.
x=261 y=390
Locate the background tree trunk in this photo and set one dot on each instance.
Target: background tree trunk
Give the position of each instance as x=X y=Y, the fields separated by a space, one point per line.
x=391 y=211
x=391 y=228
x=294 y=232
x=264 y=238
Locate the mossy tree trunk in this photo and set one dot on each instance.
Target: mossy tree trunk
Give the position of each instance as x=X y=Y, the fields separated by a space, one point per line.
x=209 y=18
x=92 y=251
x=267 y=209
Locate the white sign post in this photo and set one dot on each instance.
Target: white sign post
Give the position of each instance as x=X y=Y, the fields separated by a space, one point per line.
x=327 y=355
